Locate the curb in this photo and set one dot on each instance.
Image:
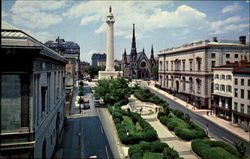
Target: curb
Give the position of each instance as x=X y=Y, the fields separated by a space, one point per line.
x=203 y=117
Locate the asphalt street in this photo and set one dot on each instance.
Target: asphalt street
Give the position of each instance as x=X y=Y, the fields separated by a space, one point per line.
x=214 y=130
x=84 y=135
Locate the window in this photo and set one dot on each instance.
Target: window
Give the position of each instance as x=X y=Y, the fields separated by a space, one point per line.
x=242 y=93
x=216 y=76
x=160 y=65
x=213 y=63
x=227 y=55
x=227 y=62
x=248 y=82
x=235 y=92
x=228 y=77
x=248 y=94
x=229 y=88
x=167 y=65
x=191 y=64
x=43 y=93
x=198 y=64
x=172 y=65
x=242 y=82
x=222 y=77
x=248 y=109
x=216 y=86
x=213 y=55
x=235 y=106
x=236 y=81
x=222 y=87
x=236 y=55
x=242 y=108
x=183 y=65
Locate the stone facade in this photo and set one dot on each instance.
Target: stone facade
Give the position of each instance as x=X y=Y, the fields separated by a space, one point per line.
x=32 y=96
x=98 y=59
x=137 y=65
x=187 y=70
x=241 y=100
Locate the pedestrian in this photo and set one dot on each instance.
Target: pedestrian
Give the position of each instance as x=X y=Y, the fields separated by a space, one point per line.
x=207 y=113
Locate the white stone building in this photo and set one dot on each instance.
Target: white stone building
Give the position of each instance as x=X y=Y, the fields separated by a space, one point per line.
x=187 y=70
x=241 y=99
x=32 y=96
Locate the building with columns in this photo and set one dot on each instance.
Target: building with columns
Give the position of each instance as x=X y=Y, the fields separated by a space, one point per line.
x=32 y=96
x=136 y=65
x=187 y=71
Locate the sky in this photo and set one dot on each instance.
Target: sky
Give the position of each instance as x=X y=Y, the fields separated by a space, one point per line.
x=163 y=24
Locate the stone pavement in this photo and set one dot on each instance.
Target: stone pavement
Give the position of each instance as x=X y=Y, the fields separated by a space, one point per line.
x=218 y=121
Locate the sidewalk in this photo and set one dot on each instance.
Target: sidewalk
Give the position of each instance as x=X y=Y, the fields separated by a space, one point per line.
x=218 y=121
x=182 y=147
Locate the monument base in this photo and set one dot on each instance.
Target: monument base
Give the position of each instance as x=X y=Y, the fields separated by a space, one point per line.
x=109 y=74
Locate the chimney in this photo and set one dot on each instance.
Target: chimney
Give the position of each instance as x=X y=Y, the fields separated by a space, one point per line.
x=215 y=39
x=242 y=40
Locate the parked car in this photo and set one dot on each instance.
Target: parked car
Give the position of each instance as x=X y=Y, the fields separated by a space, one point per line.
x=86 y=106
x=97 y=103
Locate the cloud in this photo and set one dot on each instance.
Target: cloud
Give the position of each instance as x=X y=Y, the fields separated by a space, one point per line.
x=40 y=36
x=147 y=16
x=87 y=56
x=4 y=14
x=231 y=8
x=226 y=25
x=36 y=14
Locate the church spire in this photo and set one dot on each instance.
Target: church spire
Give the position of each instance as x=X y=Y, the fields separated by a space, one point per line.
x=125 y=56
x=133 y=38
x=152 y=52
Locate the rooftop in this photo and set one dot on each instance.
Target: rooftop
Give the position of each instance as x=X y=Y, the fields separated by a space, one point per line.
x=199 y=44
x=12 y=37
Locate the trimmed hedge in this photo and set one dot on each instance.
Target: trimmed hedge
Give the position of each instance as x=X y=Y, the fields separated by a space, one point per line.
x=147 y=133
x=181 y=125
x=208 y=149
x=152 y=150
x=175 y=120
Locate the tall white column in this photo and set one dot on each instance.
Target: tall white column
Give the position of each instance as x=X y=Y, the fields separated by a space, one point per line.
x=110 y=42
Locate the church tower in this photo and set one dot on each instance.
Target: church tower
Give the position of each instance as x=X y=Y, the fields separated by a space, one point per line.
x=152 y=59
x=133 y=53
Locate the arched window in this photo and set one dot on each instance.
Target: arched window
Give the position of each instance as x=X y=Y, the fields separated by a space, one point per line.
x=143 y=64
x=198 y=81
x=216 y=76
x=228 y=77
x=229 y=88
x=216 y=87
x=222 y=87
x=222 y=77
x=184 y=84
x=190 y=85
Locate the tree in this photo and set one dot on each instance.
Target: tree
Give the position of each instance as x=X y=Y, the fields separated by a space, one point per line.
x=93 y=70
x=154 y=71
x=113 y=90
x=240 y=147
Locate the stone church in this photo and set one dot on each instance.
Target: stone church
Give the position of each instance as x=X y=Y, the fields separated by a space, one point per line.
x=136 y=65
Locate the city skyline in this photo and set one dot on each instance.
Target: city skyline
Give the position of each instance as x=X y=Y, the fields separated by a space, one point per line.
x=164 y=24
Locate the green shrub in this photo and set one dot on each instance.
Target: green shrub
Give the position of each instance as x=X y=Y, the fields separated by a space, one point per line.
x=170 y=153
x=110 y=109
x=137 y=156
x=152 y=155
x=158 y=146
x=134 y=149
x=213 y=149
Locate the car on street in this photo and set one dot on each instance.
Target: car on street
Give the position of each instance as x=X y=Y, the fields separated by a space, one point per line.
x=86 y=106
x=97 y=103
